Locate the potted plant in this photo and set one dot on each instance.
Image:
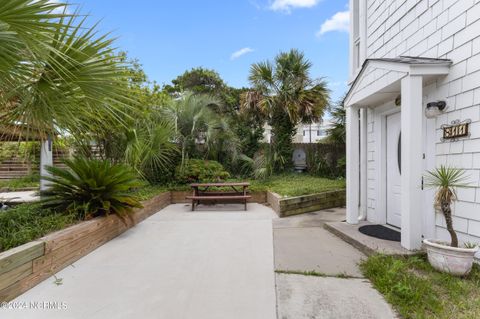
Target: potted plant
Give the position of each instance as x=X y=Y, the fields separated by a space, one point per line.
x=443 y=256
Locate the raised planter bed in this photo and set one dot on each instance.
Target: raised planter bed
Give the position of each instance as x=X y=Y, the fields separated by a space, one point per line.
x=304 y=204
x=23 y=267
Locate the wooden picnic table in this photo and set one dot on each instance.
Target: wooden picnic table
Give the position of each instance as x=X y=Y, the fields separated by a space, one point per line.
x=210 y=192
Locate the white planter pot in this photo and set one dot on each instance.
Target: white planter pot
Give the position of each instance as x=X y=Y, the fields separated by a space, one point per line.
x=452 y=260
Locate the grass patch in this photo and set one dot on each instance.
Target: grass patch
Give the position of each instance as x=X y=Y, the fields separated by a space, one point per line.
x=26 y=222
x=290 y=185
x=287 y=185
x=149 y=191
x=29 y=181
x=417 y=291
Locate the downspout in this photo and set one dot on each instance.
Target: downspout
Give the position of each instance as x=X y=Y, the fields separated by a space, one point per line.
x=363 y=164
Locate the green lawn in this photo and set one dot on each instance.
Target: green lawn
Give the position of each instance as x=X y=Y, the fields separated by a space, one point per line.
x=29 y=181
x=298 y=184
x=417 y=291
x=287 y=185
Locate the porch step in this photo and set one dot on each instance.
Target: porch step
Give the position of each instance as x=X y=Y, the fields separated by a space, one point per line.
x=366 y=244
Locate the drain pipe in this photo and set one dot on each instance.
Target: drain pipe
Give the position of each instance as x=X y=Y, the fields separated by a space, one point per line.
x=363 y=164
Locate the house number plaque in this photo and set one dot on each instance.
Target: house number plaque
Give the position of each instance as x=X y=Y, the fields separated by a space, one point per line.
x=456 y=130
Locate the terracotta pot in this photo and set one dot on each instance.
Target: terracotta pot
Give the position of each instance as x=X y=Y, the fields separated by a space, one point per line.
x=452 y=260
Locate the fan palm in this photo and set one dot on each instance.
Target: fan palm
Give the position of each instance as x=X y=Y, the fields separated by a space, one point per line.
x=194 y=121
x=445 y=180
x=287 y=95
x=64 y=77
x=149 y=147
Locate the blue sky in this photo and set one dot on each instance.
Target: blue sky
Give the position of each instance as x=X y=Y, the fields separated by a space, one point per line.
x=169 y=37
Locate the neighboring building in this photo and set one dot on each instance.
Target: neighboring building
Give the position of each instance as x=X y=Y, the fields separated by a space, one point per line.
x=405 y=54
x=306 y=133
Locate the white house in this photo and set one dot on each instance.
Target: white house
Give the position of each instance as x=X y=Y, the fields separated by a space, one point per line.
x=306 y=133
x=406 y=55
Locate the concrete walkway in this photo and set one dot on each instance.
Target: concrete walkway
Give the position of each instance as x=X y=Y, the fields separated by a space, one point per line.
x=176 y=264
x=20 y=197
x=303 y=245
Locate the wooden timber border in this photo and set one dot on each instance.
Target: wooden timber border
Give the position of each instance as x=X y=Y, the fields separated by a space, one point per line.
x=304 y=204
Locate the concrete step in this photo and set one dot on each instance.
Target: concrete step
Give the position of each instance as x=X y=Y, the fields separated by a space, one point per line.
x=368 y=245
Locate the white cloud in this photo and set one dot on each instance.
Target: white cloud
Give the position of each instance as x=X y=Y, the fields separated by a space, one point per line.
x=235 y=55
x=288 y=5
x=340 y=21
x=61 y=9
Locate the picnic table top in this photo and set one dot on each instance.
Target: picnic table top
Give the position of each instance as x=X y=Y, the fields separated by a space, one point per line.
x=220 y=184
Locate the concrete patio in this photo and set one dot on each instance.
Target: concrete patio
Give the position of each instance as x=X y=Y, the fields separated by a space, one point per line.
x=217 y=262
x=175 y=264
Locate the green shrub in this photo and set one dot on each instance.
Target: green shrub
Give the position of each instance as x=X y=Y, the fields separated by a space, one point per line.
x=29 y=151
x=200 y=171
x=90 y=188
x=24 y=223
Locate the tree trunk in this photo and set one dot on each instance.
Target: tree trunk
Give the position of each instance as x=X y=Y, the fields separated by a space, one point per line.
x=447 y=212
x=283 y=131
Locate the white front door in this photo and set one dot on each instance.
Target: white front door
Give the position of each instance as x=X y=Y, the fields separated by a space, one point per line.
x=394 y=194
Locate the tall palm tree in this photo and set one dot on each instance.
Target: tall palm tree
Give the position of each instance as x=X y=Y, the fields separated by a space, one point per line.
x=284 y=91
x=56 y=73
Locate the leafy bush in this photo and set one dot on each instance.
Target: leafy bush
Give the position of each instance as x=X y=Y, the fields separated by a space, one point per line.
x=90 y=188
x=29 y=151
x=196 y=170
x=27 y=222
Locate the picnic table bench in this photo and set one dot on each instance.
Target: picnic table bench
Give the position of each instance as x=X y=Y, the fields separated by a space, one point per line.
x=212 y=192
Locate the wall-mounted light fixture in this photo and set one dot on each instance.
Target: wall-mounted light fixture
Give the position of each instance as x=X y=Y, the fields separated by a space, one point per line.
x=435 y=109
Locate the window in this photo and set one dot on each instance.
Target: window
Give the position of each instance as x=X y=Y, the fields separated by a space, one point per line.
x=356 y=35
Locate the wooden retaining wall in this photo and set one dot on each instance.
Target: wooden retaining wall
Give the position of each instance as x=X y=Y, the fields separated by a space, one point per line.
x=305 y=204
x=24 y=267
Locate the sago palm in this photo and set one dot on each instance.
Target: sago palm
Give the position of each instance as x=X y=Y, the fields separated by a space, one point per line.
x=91 y=188
x=445 y=180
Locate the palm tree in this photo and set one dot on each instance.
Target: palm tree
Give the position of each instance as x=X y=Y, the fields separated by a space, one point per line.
x=285 y=92
x=149 y=147
x=445 y=180
x=59 y=75
x=194 y=121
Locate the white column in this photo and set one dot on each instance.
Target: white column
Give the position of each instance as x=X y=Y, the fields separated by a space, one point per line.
x=363 y=164
x=412 y=161
x=353 y=158
x=46 y=159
